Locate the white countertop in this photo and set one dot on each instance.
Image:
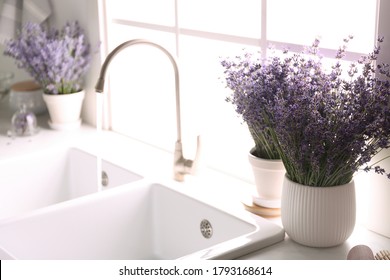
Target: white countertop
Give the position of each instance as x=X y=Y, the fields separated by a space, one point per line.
x=152 y=162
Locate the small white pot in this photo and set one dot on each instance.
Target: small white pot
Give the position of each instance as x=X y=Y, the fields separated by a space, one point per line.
x=64 y=109
x=318 y=216
x=269 y=176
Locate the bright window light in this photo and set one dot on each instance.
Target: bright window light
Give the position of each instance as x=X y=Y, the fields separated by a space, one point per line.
x=200 y=33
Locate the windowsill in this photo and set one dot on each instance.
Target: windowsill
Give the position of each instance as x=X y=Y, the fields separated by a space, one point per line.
x=210 y=186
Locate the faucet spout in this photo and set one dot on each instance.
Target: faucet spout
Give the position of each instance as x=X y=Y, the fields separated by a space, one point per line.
x=181 y=166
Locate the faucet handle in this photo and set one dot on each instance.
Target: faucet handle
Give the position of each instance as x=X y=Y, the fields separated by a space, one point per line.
x=184 y=166
x=195 y=163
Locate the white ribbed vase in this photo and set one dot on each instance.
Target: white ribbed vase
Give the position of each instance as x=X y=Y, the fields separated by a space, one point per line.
x=318 y=216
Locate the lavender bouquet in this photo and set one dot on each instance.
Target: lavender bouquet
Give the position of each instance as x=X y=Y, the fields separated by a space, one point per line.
x=324 y=127
x=56 y=59
x=254 y=86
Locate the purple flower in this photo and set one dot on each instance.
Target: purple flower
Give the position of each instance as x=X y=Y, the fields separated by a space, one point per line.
x=254 y=85
x=56 y=59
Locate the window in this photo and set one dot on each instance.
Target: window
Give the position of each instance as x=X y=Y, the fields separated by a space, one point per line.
x=199 y=33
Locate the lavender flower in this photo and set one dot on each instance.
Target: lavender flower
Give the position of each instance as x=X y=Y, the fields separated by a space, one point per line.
x=324 y=127
x=56 y=59
x=254 y=86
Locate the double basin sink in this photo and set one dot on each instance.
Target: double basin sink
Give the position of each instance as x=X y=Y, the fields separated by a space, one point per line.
x=51 y=207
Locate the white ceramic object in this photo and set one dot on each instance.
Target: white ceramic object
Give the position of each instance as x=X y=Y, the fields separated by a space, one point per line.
x=29 y=94
x=318 y=216
x=64 y=110
x=269 y=176
x=140 y=220
x=50 y=176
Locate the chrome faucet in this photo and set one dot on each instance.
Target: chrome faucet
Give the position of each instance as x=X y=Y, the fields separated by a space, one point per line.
x=181 y=166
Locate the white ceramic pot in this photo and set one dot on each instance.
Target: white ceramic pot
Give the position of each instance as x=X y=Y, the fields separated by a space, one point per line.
x=269 y=176
x=318 y=216
x=64 y=109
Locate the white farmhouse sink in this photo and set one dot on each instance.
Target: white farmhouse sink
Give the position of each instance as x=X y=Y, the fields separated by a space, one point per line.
x=139 y=220
x=50 y=176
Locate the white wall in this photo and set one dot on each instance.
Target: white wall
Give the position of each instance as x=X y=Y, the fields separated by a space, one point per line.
x=86 y=12
x=375 y=202
x=384 y=30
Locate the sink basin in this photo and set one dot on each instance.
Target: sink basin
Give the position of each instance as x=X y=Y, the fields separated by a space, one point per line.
x=139 y=220
x=51 y=176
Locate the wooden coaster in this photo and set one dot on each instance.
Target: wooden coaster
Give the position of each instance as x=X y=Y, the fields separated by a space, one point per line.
x=261 y=211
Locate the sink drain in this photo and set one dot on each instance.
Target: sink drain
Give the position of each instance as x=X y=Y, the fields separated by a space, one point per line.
x=206 y=229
